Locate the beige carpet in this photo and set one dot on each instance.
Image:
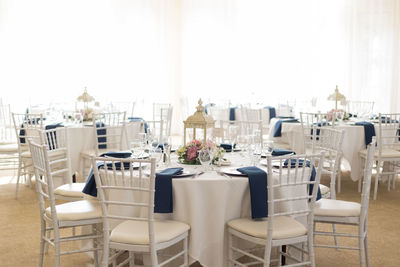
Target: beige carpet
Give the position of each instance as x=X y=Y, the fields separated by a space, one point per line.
x=19 y=229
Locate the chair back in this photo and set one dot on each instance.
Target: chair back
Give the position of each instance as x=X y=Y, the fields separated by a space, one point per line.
x=6 y=125
x=162 y=121
x=360 y=108
x=389 y=131
x=311 y=124
x=123 y=185
x=44 y=177
x=23 y=124
x=56 y=141
x=110 y=131
x=299 y=191
x=329 y=140
x=366 y=187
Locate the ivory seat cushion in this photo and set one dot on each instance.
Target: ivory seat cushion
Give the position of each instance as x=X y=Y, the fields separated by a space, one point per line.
x=282 y=145
x=77 y=210
x=70 y=190
x=386 y=153
x=136 y=232
x=284 y=227
x=337 y=208
x=9 y=148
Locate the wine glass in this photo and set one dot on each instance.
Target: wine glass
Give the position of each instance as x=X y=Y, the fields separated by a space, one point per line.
x=232 y=135
x=157 y=154
x=136 y=148
x=205 y=157
x=268 y=147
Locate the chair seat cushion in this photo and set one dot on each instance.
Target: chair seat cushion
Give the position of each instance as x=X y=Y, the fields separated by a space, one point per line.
x=70 y=190
x=284 y=227
x=336 y=208
x=136 y=232
x=386 y=153
x=77 y=210
x=9 y=148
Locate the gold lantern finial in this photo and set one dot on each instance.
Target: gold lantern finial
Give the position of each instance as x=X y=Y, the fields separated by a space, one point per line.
x=199 y=120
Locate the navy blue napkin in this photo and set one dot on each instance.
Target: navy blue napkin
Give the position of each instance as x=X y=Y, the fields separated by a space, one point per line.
x=281 y=152
x=312 y=177
x=369 y=131
x=232 y=113
x=258 y=191
x=90 y=186
x=278 y=126
x=272 y=112
x=163 y=190
x=135 y=119
x=52 y=140
x=319 y=124
x=227 y=147
x=102 y=139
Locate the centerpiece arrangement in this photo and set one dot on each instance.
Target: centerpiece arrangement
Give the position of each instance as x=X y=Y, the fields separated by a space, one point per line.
x=189 y=153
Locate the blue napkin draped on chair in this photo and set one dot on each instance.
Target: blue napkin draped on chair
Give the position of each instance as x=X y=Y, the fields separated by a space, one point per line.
x=258 y=191
x=52 y=141
x=369 y=131
x=163 y=190
x=90 y=186
x=272 y=112
x=101 y=139
x=293 y=163
x=232 y=116
x=278 y=126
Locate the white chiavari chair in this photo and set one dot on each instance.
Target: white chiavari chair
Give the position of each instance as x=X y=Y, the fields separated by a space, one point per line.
x=56 y=141
x=334 y=211
x=287 y=187
x=23 y=124
x=8 y=145
x=57 y=217
x=126 y=186
x=386 y=157
x=362 y=109
x=109 y=134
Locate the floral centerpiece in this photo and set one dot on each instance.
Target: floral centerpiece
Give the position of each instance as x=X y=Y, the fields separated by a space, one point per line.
x=189 y=154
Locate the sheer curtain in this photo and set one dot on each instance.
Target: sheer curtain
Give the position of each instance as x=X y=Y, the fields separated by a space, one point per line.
x=227 y=51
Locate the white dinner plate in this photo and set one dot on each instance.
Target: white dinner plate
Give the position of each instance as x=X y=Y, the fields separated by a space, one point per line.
x=233 y=172
x=275 y=163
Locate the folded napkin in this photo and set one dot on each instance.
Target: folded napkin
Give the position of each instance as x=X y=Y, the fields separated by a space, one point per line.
x=163 y=190
x=232 y=113
x=369 y=131
x=102 y=140
x=272 y=112
x=281 y=152
x=258 y=191
x=52 y=141
x=90 y=186
x=293 y=163
x=227 y=147
x=136 y=119
x=278 y=126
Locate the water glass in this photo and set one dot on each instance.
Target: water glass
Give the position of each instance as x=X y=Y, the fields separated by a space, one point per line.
x=268 y=147
x=205 y=157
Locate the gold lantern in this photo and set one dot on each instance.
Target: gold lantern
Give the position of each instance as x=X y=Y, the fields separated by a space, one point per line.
x=336 y=96
x=199 y=120
x=86 y=98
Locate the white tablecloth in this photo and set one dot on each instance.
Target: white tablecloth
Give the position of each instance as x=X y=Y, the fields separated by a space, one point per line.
x=353 y=142
x=83 y=138
x=206 y=203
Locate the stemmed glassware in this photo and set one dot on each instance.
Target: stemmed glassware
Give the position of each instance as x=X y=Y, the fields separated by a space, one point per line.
x=232 y=135
x=205 y=157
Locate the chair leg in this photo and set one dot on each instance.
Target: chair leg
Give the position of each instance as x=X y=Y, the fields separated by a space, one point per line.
x=362 y=249
x=56 y=247
x=106 y=249
x=185 y=255
x=378 y=170
x=131 y=259
x=334 y=236
x=310 y=244
x=339 y=176
x=42 y=243
x=95 y=245
x=18 y=176
x=230 y=252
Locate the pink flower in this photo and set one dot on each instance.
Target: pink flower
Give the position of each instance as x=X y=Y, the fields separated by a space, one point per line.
x=191 y=153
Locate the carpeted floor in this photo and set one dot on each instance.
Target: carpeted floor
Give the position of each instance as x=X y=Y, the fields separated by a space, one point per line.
x=19 y=229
